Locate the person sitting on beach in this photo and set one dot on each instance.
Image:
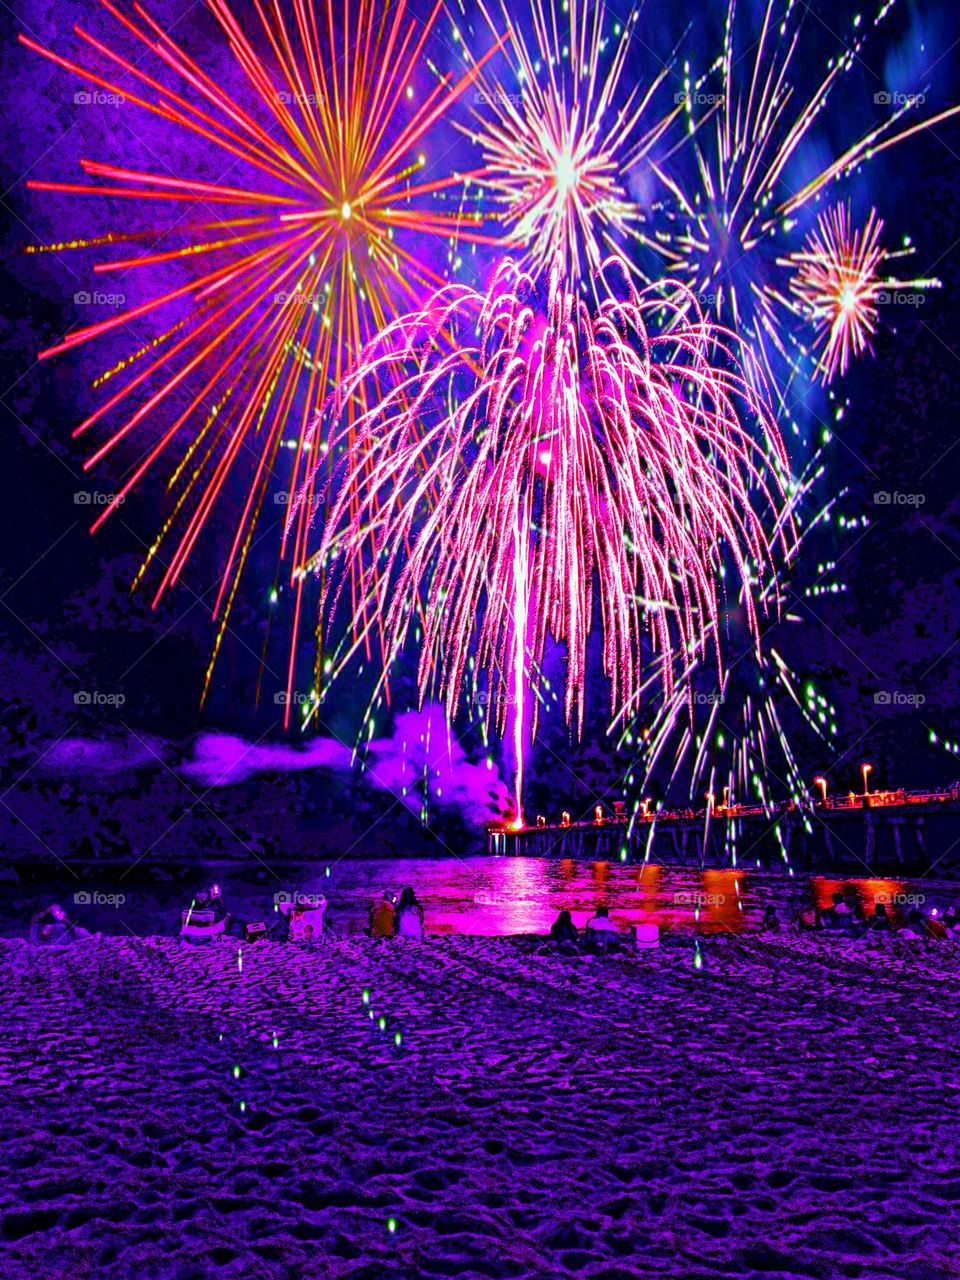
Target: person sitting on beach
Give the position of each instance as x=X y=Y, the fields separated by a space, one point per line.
x=771 y=922
x=879 y=922
x=914 y=928
x=601 y=932
x=809 y=916
x=409 y=916
x=53 y=927
x=936 y=928
x=601 y=922
x=950 y=918
x=382 y=917
x=839 y=915
x=563 y=929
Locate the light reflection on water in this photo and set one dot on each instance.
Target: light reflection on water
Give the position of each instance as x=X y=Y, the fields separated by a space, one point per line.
x=486 y=896
x=494 y=896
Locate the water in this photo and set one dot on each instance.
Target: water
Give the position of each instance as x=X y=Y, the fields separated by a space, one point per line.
x=483 y=896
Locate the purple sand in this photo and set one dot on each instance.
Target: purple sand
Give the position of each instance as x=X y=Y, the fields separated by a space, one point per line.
x=791 y=1110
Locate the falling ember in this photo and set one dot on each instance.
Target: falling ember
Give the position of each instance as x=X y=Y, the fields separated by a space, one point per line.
x=289 y=270
x=665 y=475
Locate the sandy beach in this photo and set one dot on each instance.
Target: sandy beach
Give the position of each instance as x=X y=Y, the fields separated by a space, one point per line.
x=789 y=1111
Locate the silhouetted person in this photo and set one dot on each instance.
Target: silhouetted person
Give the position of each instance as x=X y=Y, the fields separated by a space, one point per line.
x=601 y=932
x=563 y=929
x=601 y=922
x=840 y=912
x=409 y=917
x=383 y=918
x=771 y=922
x=880 y=920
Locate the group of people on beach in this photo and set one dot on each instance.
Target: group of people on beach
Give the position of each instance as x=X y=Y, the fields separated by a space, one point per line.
x=846 y=915
x=391 y=917
x=599 y=936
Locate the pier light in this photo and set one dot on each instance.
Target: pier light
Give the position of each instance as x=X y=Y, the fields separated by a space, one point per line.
x=598 y=815
x=821 y=782
x=726 y=797
x=711 y=799
x=541 y=820
x=645 y=807
x=565 y=819
x=866 y=770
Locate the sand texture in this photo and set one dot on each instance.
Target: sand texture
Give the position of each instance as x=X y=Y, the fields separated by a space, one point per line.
x=789 y=1111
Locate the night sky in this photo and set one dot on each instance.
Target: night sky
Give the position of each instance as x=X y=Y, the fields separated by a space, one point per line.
x=69 y=623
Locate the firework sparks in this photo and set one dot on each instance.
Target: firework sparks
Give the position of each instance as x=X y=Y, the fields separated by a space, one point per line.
x=838 y=285
x=727 y=231
x=732 y=736
x=540 y=448
x=559 y=143
x=305 y=256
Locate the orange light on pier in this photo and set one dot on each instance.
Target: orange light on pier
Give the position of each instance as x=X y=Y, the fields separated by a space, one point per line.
x=821 y=782
x=866 y=770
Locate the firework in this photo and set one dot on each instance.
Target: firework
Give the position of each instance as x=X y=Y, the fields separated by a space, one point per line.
x=288 y=271
x=729 y=223
x=731 y=737
x=558 y=142
x=838 y=285
x=528 y=448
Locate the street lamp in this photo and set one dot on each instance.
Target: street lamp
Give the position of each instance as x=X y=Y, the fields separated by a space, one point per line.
x=866 y=769
x=821 y=782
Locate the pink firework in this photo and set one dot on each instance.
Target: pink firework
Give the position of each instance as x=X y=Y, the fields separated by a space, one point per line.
x=531 y=457
x=839 y=284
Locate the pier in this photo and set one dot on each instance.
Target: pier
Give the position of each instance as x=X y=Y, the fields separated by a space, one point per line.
x=873 y=831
